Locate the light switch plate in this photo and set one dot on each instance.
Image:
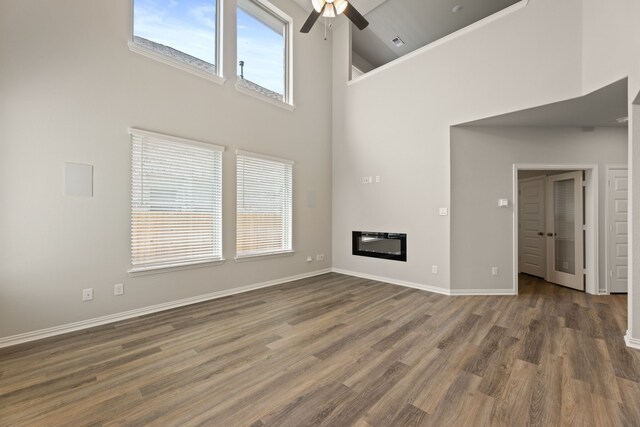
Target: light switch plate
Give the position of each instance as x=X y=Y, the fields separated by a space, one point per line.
x=118 y=289
x=444 y=211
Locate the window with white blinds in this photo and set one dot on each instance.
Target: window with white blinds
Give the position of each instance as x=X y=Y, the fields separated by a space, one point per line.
x=264 y=205
x=176 y=201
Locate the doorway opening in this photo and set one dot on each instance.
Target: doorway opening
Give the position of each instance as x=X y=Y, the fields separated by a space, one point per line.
x=556 y=224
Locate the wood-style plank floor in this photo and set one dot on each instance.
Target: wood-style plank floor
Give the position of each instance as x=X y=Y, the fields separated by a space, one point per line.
x=336 y=350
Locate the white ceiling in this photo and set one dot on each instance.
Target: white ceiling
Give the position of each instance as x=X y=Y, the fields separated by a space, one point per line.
x=599 y=108
x=417 y=23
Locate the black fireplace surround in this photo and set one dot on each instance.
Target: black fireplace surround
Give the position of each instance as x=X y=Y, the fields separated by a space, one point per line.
x=375 y=244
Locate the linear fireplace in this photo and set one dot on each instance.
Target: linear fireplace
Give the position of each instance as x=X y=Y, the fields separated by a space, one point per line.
x=391 y=246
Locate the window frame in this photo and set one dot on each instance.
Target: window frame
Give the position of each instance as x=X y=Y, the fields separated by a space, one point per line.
x=217 y=77
x=287 y=102
x=152 y=268
x=279 y=253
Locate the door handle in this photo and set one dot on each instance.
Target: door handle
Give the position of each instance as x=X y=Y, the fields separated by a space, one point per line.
x=551 y=234
x=540 y=233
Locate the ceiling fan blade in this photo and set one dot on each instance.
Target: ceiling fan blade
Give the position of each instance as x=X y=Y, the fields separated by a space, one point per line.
x=355 y=17
x=308 y=24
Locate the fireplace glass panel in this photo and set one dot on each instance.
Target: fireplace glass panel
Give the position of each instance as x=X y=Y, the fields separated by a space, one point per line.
x=380 y=245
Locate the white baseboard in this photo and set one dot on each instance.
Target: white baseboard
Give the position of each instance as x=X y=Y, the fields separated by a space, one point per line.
x=434 y=289
x=632 y=342
x=404 y=283
x=89 y=323
x=479 y=292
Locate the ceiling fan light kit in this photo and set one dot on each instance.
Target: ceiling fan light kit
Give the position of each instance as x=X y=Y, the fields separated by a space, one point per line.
x=331 y=9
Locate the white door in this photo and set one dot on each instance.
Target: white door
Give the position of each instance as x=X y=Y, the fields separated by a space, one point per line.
x=565 y=238
x=617 y=229
x=531 y=240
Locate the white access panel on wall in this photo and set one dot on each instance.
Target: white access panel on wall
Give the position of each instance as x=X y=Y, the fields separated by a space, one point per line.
x=78 y=180
x=617 y=235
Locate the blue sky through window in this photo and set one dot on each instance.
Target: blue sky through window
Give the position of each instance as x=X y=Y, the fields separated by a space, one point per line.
x=262 y=50
x=185 y=25
x=190 y=27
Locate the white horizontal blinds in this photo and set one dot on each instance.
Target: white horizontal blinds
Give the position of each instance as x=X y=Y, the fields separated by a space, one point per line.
x=176 y=199
x=264 y=205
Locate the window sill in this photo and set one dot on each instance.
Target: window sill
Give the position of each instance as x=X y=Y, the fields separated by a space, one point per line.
x=242 y=89
x=245 y=258
x=157 y=269
x=135 y=47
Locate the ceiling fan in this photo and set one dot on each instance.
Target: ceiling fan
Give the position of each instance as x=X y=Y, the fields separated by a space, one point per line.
x=331 y=9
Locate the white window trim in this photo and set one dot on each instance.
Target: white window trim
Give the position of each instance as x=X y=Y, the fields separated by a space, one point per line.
x=288 y=61
x=264 y=157
x=157 y=269
x=165 y=268
x=255 y=94
x=141 y=132
x=274 y=254
x=245 y=258
x=218 y=77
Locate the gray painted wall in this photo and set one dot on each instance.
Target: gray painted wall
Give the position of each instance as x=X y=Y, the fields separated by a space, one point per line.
x=70 y=88
x=611 y=49
x=394 y=122
x=546 y=52
x=482 y=160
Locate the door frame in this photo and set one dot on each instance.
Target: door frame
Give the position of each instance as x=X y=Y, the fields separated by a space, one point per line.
x=607 y=191
x=591 y=219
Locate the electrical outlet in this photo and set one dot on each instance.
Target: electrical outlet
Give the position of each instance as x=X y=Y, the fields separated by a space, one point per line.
x=118 y=289
x=87 y=294
x=365 y=180
x=434 y=269
x=309 y=258
x=320 y=257
x=494 y=271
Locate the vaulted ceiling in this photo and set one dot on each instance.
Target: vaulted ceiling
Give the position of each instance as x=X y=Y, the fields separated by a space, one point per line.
x=416 y=22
